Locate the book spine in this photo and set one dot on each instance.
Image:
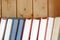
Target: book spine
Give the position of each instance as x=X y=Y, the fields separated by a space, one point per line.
x=49 y=28
x=26 y=30
x=56 y=28
x=2 y=28
x=14 y=29
x=42 y=29
x=8 y=29
x=34 y=30
x=20 y=29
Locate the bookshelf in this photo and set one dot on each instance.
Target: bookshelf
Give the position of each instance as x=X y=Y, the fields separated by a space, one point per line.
x=29 y=8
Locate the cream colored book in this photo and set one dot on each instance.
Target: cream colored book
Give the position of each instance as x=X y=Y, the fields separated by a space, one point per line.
x=42 y=29
x=34 y=30
x=2 y=27
x=8 y=29
x=49 y=28
x=56 y=28
x=26 y=30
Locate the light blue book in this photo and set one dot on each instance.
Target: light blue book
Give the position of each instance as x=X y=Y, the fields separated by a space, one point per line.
x=14 y=29
x=20 y=29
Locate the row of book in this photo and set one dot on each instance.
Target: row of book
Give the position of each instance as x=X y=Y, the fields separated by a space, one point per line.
x=30 y=29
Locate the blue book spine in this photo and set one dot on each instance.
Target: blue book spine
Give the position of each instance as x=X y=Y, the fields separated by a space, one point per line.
x=20 y=28
x=14 y=29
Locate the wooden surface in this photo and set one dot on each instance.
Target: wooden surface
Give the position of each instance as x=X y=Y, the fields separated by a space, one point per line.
x=0 y=8
x=29 y=8
x=57 y=8
x=40 y=8
x=51 y=8
x=8 y=8
x=24 y=8
x=54 y=8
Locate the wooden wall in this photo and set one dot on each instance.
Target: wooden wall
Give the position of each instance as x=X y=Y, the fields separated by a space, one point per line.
x=0 y=8
x=29 y=8
x=54 y=8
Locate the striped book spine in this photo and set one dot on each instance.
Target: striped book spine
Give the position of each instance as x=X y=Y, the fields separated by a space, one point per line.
x=20 y=29
x=26 y=30
x=14 y=29
x=8 y=29
x=34 y=30
x=49 y=28
x=42 y=29
x=2 y=28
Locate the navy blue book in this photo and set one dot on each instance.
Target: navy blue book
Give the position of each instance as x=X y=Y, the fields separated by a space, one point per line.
x=20 y=29
x=14 y=29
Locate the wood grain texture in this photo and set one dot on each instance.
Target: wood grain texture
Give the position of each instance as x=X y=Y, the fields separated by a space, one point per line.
x=57 y=8
x=54 y=8
x=24 y=8
x=0 y=8
x=8 y=8
x=51 y=8
x=39 y=8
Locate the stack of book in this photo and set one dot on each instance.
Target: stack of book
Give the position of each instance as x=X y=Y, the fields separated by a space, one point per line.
x=30 y=29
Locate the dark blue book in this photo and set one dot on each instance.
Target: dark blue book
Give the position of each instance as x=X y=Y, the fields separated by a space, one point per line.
x=14 y=29
x=20 y=29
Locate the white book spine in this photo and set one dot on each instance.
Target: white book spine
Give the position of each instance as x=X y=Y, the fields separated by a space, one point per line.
x=2 y=28
x=34 y=30
x=56 y=28
x=49 y=28
x=26 y=29
x=8 y=29
x=42 y=29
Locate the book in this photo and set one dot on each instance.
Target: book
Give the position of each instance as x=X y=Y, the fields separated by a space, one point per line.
x=2 y=28
x=26 y=30
x=14 y=29
x=59 y=37
x=42 y=29
x=8 y=29
x=56 y=28
x=49 y=28
x=20 y=29
x=34 y=30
